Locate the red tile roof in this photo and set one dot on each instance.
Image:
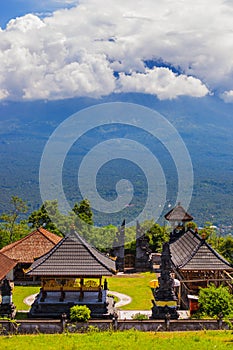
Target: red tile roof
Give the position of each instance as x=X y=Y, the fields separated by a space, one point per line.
x=6 y=265
x=32 y=246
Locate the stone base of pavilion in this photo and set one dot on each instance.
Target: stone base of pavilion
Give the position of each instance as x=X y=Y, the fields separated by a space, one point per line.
x=52 y=307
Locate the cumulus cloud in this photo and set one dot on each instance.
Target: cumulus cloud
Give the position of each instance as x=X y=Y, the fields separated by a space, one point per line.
x=163 y=83
x=97 y=48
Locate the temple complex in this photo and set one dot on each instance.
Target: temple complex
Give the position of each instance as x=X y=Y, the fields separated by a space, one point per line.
x=72 y=273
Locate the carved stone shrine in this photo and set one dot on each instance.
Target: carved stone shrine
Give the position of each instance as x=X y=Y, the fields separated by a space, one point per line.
x=165 y=300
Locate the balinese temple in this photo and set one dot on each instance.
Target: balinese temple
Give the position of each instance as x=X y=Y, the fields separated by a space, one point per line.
x=72 y=273
x=195 y=263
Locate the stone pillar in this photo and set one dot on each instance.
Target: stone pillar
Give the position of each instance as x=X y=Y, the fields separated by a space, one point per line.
x=81 y=295
x=119 y=248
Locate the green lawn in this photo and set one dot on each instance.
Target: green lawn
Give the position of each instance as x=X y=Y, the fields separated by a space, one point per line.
x=135 y=285
x=133 y=340
x=20 y=293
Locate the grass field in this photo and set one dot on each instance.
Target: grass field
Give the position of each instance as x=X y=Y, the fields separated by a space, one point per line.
x=20 y=293
x=135 y=285
x=133 y=340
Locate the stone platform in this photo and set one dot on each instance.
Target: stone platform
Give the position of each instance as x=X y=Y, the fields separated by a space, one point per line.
x=52 y=307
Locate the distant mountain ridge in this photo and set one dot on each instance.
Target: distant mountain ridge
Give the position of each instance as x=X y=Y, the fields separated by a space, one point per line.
x=206 y=126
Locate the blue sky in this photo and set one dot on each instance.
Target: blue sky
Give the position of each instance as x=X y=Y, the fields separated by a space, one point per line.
x=56 y=49
x=14 y=8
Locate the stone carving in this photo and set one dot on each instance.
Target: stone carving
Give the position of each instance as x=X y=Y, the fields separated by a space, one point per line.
x=143 y=260
x=7 y=307
x=165 y=302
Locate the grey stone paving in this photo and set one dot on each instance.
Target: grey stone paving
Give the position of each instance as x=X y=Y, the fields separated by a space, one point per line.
x=123 y=300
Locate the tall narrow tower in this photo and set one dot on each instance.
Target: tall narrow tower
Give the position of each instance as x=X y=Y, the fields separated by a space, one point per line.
x=119 y=248
x=178 y=217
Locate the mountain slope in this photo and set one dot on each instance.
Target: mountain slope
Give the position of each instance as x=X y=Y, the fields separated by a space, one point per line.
x=206 y=126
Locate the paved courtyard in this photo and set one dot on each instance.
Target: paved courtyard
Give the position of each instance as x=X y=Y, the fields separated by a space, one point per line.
x=123 y=300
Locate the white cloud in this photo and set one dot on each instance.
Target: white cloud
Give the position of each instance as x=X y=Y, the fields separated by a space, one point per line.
x=25 y=24
x=3 y=94
x=74 y=52
x=227 y=96
x=163 y=83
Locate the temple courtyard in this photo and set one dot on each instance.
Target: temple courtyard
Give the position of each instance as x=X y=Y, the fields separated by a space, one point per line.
x=124 y=301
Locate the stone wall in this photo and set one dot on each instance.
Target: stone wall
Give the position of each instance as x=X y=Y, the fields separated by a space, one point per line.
x=59 y=326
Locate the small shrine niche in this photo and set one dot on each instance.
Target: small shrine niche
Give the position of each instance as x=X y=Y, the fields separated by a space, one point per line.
x=7 y=307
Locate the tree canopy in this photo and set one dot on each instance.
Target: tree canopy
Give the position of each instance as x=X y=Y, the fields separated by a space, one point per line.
x=12 y=224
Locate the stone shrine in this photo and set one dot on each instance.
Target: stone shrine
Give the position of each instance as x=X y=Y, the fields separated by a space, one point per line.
x=165 y=300
x=7 y=308
x=143 y=259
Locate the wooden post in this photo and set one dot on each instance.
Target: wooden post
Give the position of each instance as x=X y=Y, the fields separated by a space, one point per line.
x=81 y=295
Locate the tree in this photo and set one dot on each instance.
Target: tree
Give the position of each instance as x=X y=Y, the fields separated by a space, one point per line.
x=157 y=236
x=226 y=248
x=209 y=231
x=49 y=216
x=40 y=217
x=214 y=301
x=12 y=225
x=224 y=245
x=84 y=212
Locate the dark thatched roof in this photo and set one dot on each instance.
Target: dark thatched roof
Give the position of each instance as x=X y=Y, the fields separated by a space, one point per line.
x=73 y=256
x=178 y=214
x=190 y=252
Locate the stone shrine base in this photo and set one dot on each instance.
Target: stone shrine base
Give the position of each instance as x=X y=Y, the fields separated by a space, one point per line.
x=167 y=311
x=52 y=307
x=7 y=310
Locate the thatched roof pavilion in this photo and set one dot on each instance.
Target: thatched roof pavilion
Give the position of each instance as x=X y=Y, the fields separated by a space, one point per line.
x=71 y=273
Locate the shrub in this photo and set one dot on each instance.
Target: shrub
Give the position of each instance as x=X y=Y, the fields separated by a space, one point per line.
x=139 y=317
x=215 y=301
x=80 y=313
